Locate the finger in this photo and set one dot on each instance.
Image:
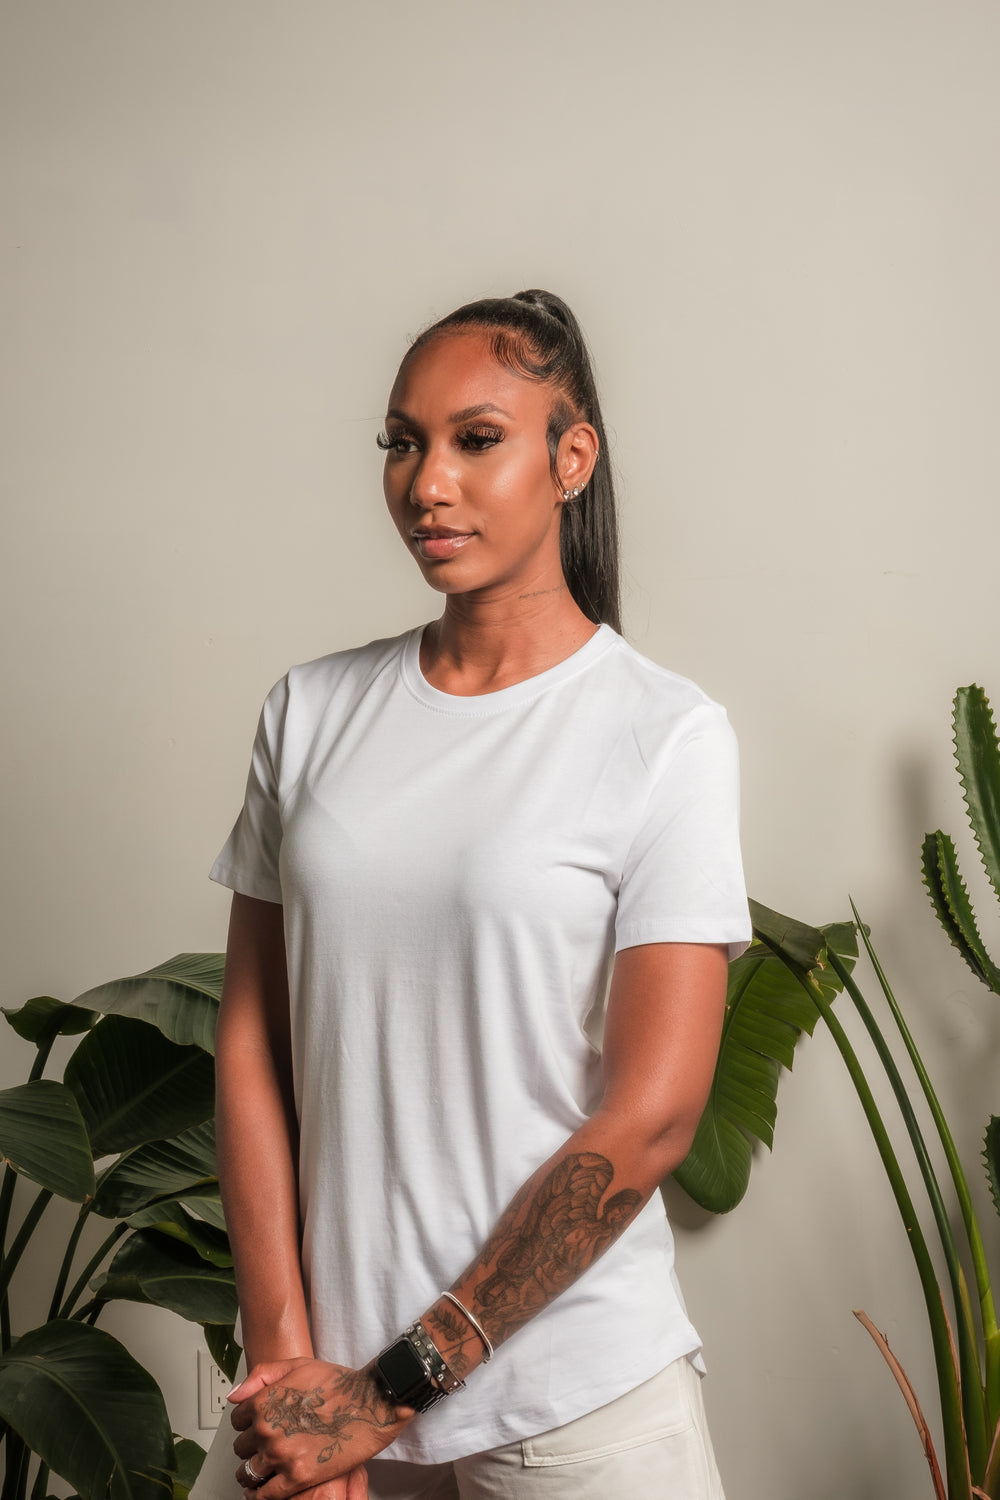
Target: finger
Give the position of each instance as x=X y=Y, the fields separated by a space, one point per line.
x=357 y=1484
x=259 y=1377
x=249 y=1485
x=241 y=1416
x=245 y=1445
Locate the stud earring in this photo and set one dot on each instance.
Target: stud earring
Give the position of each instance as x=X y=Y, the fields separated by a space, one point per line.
x=571 y=494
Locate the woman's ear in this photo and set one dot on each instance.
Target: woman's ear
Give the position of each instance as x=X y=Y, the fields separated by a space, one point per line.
x=576 y=457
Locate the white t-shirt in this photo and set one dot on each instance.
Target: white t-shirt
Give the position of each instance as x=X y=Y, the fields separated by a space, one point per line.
x=456 y=874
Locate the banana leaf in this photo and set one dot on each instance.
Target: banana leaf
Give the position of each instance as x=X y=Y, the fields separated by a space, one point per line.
x=188 y=1459
x=169 y=1217
x=42 y=1018
x=92 y=1413
x=43 y=1137
x=767 y=1010
x=182 y=1168
x=179 y=997
x=152 y=1267
x=222 y=1346
x=134 y=1086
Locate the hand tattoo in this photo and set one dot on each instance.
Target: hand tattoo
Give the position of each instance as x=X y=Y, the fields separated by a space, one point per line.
x=294 y=1410
x=549 y=1237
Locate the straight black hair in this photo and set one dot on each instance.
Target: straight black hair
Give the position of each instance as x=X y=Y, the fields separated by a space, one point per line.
x=535 y=334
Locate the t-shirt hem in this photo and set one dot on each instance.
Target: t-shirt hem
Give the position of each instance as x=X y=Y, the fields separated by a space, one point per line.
x=735 y=935
x=513 y=1427
x=257 y=886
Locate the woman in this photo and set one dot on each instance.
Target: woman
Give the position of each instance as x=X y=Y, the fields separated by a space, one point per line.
x=463 y=855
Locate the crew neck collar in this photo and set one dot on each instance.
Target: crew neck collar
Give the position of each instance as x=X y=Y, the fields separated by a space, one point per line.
x=483 y=704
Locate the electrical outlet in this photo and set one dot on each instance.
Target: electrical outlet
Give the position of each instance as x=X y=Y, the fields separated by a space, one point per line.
x=213 y=1387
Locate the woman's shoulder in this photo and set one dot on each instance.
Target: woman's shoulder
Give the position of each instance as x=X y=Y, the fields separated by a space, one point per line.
x=308 y=687
x=658 y=686
x=665 y=708
x=352 y=661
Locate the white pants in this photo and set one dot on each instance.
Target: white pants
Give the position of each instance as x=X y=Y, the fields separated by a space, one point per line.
x=650 y=1444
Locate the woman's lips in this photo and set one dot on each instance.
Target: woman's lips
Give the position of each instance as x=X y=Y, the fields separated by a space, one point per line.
x=436 y=546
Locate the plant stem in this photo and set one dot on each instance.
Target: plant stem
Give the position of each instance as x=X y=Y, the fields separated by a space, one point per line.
x=16 y=1472
x=22 y=1237
x=973 y=1400
x=6 y=1200
x=977 y=1251
x=41 y=1058
x=80 y=1284
x=67 y=1261
x=956 y=1460
x=41 y=1484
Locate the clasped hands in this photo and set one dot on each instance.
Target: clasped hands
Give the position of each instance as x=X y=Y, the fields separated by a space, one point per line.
x=306 y=1424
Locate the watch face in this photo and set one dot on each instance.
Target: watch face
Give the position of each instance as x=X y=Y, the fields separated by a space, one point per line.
x=402 y=1367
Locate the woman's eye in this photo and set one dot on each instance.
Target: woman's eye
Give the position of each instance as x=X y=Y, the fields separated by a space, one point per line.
x=396 y=442
x=478 y=439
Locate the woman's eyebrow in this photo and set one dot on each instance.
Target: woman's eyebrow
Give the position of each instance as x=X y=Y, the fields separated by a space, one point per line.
x=468 y=412
x=465 y=415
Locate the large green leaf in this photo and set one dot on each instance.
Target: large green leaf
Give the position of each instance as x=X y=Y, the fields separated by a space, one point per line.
x=188 y=1459
x=977 y=752
x=168 y=1216
x=179 y=997
x=133 y=1085
x=222 y=1346
x=803 y=944
x=950 y=900
x=151 y=1267
x=43 y=1136
x=42 y=1018
x=94 y=1415
x=767 y=1009
x=182 y=1168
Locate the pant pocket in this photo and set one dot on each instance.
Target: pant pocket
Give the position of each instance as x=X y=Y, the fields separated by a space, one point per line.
x=656 y=1411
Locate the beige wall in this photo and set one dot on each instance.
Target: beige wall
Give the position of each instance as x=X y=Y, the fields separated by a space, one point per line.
x=779 y=223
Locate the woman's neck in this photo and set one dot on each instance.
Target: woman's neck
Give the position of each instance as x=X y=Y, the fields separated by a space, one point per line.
x=480 y=646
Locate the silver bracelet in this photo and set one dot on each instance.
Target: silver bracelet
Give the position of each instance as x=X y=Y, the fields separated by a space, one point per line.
x=475 y=1324
x=444 y=1378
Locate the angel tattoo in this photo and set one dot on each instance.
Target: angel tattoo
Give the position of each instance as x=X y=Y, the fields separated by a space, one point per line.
x=547 y=1243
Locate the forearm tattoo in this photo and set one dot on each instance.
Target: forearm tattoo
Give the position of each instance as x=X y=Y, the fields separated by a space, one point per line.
x=462 y=1339
x=351 y=1398
x=547 y=1238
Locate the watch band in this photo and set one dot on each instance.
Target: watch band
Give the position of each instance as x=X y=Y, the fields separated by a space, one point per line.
x=443 y=1377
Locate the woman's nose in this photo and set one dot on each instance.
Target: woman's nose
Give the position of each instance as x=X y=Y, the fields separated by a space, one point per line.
x=434 y=482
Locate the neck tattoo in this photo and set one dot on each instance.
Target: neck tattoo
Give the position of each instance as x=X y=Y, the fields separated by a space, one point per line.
x=539 y=592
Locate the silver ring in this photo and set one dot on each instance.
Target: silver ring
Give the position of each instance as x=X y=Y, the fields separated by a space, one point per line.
x=251 y=1472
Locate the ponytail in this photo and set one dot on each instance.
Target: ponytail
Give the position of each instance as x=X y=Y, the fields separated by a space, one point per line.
x=536 y=335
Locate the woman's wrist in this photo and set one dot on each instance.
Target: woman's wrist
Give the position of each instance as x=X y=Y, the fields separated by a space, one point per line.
x=455 y=1336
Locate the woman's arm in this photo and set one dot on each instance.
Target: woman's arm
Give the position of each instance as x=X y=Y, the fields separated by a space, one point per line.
x=257 y=1135
x=661 y=1041
x=662 y=1035
x=257 y=1139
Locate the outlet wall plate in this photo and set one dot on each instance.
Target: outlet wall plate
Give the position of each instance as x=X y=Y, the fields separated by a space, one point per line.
x=213 y=1387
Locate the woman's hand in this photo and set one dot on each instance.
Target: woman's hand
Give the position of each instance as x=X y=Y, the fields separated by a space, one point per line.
x=303 y=1422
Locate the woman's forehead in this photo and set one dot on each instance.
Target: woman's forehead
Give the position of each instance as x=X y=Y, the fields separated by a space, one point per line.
x=458 y=369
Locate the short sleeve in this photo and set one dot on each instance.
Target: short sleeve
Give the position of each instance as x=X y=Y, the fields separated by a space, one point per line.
x=248 y=862
x=683 y=877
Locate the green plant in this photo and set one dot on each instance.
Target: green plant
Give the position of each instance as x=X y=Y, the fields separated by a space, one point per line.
x=136 y=1099
x=964 y=1333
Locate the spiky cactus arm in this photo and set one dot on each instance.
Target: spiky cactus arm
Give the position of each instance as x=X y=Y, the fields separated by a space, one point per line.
x=991 y=1157
x=977 y=753
x=951 y=903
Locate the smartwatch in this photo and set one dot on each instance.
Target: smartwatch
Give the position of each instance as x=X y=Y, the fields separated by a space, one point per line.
x=406 y=1375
